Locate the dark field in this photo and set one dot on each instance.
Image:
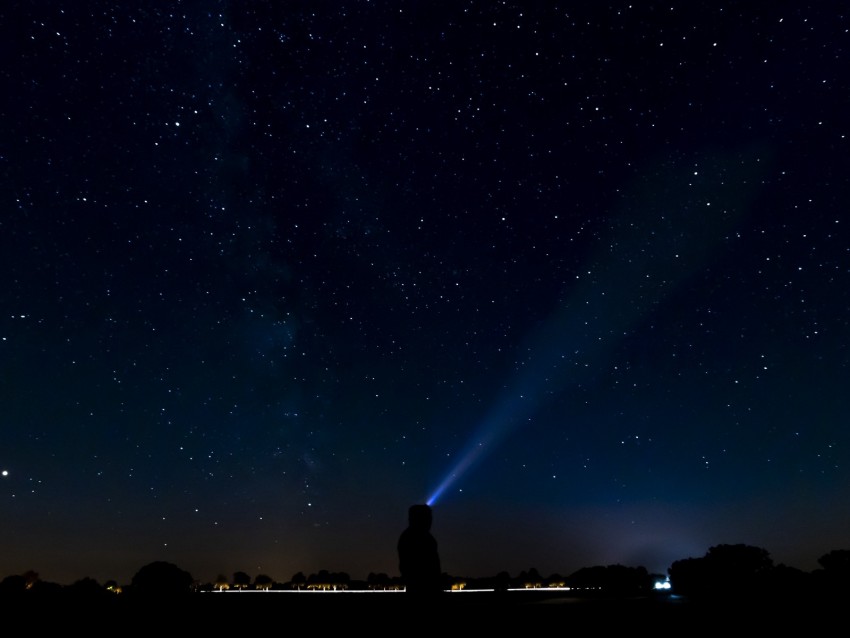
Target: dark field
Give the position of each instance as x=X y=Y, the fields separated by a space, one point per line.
x=395 y=613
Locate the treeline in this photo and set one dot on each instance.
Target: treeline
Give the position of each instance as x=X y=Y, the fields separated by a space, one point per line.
x=749 y=572
x=724 y=571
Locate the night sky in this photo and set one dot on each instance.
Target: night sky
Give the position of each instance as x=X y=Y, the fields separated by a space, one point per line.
x=578 y=273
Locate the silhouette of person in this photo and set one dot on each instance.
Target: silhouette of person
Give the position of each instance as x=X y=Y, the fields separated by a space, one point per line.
x=418 y=558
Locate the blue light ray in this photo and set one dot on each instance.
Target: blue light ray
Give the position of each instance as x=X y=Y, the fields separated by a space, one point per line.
x=647 y=257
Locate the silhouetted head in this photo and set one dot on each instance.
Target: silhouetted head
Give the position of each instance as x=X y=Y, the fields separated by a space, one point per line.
x=419 y=516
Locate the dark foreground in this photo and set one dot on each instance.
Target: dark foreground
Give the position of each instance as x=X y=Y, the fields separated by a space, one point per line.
x=384 y=613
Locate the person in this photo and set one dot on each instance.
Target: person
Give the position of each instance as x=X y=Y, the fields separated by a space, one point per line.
x=418 y=556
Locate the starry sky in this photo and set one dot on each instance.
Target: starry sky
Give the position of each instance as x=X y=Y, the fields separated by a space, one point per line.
x=576 y=273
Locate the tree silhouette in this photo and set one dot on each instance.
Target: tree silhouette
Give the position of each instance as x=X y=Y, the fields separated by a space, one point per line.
x=31 y=577
x=13 y=584
x=87 y=588
x=263 y=581
x=378 y=581
x=531 y=578
x=329 y=580
x=298 y=581
x=161 y=578
x=725 y=570
x=740 y=560
x=835 y=561
x=241 y=580
x=834 y=578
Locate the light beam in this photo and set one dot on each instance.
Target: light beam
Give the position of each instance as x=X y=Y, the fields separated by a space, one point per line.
x=665 y=235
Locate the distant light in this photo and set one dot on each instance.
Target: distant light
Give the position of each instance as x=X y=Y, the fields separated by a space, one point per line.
x=662 y=585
